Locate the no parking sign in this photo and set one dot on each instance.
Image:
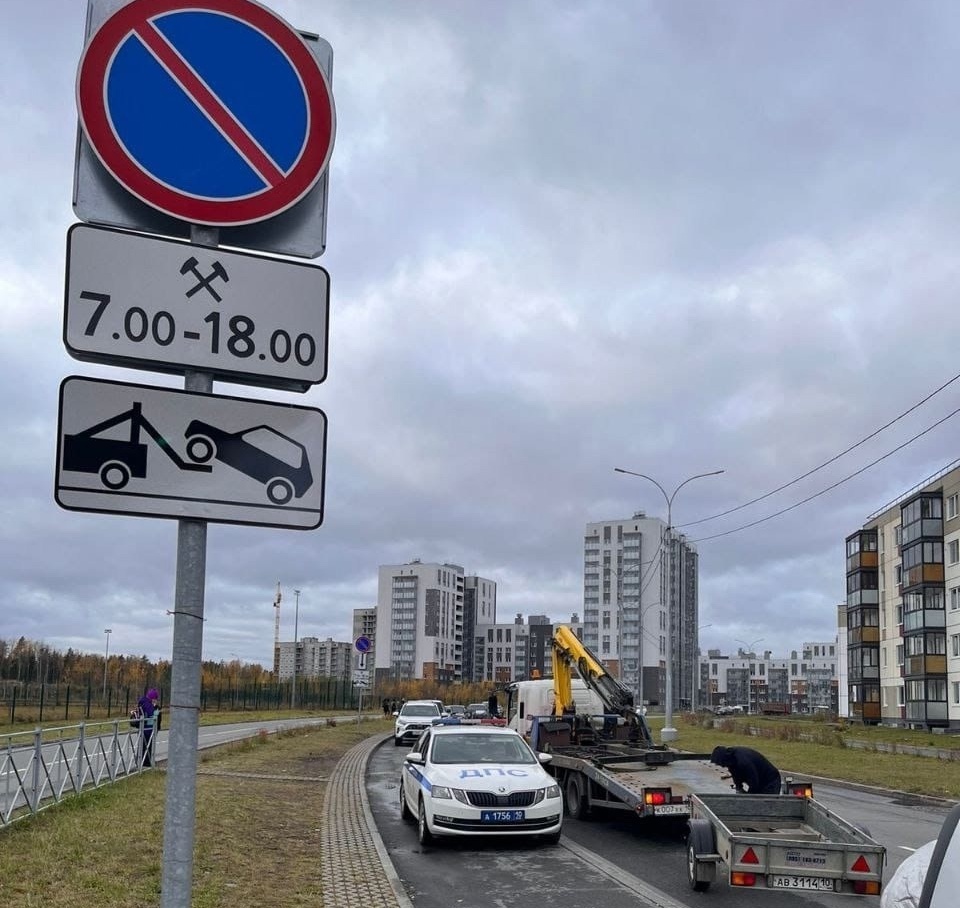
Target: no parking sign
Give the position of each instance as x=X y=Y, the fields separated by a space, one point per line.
x=214 y=112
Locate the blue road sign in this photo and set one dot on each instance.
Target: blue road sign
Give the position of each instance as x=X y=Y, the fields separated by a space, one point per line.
x=363 y=644
x=212 y=111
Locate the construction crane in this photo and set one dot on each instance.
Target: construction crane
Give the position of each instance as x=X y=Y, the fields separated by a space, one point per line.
x=276 y=631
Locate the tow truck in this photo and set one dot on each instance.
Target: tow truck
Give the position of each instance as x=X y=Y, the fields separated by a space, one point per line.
x=116 y=460
x=603 y=754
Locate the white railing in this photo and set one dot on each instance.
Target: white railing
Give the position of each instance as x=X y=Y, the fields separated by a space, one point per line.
x=42 y=767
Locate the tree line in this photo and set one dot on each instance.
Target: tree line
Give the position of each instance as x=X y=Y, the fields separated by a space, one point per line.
x=31 y=662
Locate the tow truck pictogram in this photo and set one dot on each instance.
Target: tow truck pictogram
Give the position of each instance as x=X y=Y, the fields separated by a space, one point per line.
x=117 y=460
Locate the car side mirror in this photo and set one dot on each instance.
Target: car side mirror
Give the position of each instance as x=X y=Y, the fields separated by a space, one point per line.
x=414 y=757
x=544 y=758
x=942 y=880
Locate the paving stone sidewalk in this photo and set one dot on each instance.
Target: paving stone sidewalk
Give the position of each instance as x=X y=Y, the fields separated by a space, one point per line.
x=355 y=868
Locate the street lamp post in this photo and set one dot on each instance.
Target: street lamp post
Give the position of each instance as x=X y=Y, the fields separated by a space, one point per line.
x=696 y=668
x=669 y=733
x=643 y=612
x=296 y=632
x=106 y=659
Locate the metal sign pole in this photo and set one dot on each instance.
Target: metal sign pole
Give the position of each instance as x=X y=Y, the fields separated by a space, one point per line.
x=179 y=822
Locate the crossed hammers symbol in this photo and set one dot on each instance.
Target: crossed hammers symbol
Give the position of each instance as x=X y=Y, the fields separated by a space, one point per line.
x=205 y=283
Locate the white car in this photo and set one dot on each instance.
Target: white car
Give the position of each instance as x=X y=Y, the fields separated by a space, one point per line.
x=478 y=780
x=413 y=718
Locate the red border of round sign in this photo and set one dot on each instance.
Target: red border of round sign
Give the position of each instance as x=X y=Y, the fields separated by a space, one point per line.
x=91 y=78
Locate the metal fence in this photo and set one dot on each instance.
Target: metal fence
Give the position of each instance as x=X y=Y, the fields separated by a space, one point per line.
x=30 y=703
x=42 y=767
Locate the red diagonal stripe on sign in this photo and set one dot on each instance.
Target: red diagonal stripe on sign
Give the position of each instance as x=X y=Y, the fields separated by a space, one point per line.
x=210 y=104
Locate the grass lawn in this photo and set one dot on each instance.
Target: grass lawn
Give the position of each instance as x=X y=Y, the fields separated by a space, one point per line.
x=259 y=807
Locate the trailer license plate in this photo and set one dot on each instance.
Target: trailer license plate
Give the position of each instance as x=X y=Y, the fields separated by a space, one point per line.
x=671 y=810
x=803 y=882
x=502 y=816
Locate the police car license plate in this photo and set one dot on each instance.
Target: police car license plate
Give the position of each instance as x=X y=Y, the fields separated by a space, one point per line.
x=502 y=816
x=802 y=882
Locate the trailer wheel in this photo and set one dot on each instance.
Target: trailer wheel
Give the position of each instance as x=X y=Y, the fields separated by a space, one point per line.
x=576 y=797
x=700 y=841
x=114 y=474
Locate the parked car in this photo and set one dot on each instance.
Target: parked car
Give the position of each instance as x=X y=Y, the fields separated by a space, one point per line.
x=414 y=716
x=465 y=780
x=476 y=711
x=456 y=709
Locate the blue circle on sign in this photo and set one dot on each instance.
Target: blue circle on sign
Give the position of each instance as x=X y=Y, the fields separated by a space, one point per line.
x=363 y=644
x=254 y=70
x=213 y=111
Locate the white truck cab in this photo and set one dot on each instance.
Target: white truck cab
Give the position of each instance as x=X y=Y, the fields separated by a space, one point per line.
x=536 y=698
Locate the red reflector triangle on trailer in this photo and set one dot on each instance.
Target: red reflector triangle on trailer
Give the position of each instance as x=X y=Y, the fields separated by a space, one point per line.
x=749 y=857
x=860 y=865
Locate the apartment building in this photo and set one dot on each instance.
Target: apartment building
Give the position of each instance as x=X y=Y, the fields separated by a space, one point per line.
x=420 y=619
x=903 y=609
x=807 y=681
x=313 y=658
x=479 y=608
x=632 y=570
x=518 y=651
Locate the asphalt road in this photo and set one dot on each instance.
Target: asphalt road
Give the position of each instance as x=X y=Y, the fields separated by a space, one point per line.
x=612 y=860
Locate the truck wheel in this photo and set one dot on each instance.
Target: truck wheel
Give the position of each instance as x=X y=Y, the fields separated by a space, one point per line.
x=699 y=841
x=114 y=474
x=424 y=836
x=576 y=797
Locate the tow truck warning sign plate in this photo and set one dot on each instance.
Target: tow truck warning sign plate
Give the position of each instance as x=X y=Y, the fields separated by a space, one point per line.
x=161 y=452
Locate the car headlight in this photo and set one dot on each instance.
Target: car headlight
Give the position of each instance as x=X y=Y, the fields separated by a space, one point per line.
x=553 y=791
x=441 y=791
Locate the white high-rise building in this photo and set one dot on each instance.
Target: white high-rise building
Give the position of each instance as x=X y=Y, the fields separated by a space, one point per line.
x=420 y=614
x=628 y=580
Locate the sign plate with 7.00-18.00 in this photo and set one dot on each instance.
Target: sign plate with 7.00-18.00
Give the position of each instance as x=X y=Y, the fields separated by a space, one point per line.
x=166 y=305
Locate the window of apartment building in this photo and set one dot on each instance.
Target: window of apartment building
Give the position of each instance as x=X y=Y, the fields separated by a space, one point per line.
x=606 y=621
x=605 y=645
x=900 y=654
x=898 y=572
x=952 y=507
x=490 y=635
x=955 y=644
x=954 y=551
x=901 y=698
x=897 y=534
x=937 y=690
x=606 y=534
x=499 y=635
x=955 y=687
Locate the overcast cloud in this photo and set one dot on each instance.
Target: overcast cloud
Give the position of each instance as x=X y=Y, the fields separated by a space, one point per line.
x=563 y=237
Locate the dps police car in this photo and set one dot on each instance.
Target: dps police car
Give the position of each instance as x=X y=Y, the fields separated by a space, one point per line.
x=478 y=780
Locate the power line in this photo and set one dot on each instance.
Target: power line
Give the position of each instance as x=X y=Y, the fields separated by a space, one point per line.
x=826 y=463
x=830 y=488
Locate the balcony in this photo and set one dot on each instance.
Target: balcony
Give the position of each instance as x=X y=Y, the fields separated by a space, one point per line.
x=925 y=665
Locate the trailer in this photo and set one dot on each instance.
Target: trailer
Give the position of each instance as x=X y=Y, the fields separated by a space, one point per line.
x=779 y=842
x=648 y=780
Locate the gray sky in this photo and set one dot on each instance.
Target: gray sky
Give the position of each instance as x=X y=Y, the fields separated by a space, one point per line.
x=563 y=237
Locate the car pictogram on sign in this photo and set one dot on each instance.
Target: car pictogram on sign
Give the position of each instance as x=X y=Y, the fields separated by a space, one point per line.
x=262 y=453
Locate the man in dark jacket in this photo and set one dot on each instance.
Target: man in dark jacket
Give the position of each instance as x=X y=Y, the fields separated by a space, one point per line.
x=748 y=768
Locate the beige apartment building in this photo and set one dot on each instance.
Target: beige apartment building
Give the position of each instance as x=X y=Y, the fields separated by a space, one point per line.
x=903 y=609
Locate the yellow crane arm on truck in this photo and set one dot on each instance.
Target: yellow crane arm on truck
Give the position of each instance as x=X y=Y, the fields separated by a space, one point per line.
x=569 y=653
